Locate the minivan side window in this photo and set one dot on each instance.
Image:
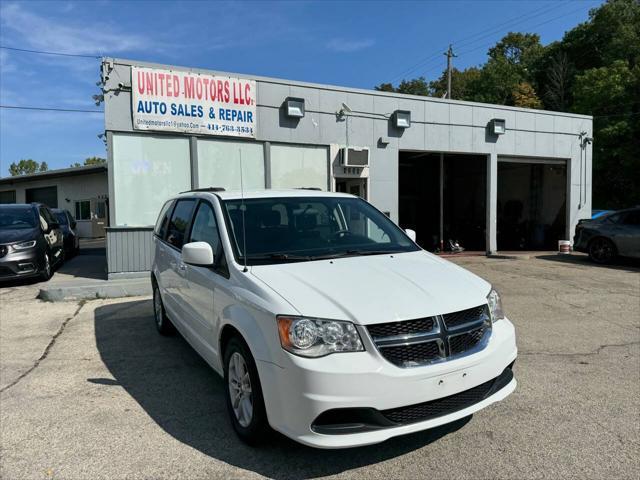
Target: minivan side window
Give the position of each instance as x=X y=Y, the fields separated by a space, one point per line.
x=163 y=220
x=179 y=222
x=205 y=228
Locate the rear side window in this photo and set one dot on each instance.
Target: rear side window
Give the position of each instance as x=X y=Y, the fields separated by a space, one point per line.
x=205 y=228
x=632 y=218
x=179 y=222
x=163 y=220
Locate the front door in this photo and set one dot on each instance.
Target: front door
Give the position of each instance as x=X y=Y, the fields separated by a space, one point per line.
x=203 y=283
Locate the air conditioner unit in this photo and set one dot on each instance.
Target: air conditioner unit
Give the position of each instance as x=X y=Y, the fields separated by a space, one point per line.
x=354 y=156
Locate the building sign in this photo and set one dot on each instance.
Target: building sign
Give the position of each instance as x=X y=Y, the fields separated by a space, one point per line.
x=188 y=102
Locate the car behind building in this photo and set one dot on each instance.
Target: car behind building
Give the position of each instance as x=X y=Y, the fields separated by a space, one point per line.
x=610 y=235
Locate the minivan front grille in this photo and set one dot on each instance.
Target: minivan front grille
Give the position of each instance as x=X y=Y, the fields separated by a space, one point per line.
x=422 y=341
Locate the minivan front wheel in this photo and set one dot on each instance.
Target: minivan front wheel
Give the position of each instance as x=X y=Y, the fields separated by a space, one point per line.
x=45 y=274
x=163 y=324
x=245 y=403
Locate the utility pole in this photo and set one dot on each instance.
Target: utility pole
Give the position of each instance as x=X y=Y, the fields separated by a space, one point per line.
x=449 y=53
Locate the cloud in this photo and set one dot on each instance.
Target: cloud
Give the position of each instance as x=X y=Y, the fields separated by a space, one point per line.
x=348 y=46
x=51 y=34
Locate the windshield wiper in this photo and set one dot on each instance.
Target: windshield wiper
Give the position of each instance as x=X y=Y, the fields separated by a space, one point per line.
x=279 y=256
x=352 y=253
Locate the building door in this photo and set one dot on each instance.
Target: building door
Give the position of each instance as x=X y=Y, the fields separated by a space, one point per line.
x=8 y=196
x=46 y=195
x=443 y=198
x=532 y=206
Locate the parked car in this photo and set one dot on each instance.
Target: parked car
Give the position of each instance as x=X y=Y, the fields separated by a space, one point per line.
x=68 y=226
x=31 y=242
x=608 y=236
x=598 y=213
x=328 y=323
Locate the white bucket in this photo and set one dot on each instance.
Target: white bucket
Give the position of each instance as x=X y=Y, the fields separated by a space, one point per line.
x=564 y=247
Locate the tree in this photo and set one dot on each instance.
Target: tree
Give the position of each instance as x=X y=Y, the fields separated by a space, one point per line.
x=417 y=86
x=27 y=166
x=90 y=161
x=463 y=84
x=525 y=96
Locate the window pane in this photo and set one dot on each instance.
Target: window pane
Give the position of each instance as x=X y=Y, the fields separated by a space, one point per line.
x=205 y=228
x=219 y=164
x=296 y=166
x=179 y=221
x=83 y=210
x=146 y=172
x=161 y=224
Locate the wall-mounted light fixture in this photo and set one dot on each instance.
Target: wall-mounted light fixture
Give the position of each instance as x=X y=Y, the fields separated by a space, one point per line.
x=294 y=107
x=498 y=126
x=401 y=118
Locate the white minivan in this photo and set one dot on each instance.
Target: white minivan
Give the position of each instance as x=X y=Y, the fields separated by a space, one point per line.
x=328 y=323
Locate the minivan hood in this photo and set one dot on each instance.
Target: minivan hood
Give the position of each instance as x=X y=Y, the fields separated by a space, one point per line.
x=17 y=234
x=375 y=289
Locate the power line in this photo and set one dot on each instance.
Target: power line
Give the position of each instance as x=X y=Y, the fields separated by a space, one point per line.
x=51 y=109
x=42 y=52
x=533 y=26
x=465 y=40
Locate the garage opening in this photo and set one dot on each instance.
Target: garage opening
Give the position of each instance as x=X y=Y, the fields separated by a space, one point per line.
x=443 y=198
x=532 y=204
x=46 y=195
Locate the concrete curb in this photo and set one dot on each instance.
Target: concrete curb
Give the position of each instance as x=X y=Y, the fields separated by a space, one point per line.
x=509 y=256
x=107 y=289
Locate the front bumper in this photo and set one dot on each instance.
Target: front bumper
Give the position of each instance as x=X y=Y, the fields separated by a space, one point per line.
x=297 y=393
x=21 y=264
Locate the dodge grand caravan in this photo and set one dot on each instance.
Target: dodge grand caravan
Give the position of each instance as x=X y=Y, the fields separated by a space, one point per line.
x=326 y=320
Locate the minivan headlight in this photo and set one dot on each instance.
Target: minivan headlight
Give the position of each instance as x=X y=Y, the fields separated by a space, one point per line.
x=24 y=245
x=495 y=305
x=313 y=337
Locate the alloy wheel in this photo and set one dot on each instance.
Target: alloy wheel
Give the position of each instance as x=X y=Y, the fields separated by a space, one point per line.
x=240 y=389
x=602 y=250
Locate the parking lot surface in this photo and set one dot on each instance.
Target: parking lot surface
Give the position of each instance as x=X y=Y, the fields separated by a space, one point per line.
x=89 y=390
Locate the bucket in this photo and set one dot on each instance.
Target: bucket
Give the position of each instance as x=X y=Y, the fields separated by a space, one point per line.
x=564 y=247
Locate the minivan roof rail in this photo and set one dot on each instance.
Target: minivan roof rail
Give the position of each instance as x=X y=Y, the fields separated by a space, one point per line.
x=317 y=189
x=205 y=189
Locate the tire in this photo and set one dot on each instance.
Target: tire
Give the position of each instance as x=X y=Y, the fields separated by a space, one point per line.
x=244 y=399
x=163 y=324
x=602 y=250
x=47 y=271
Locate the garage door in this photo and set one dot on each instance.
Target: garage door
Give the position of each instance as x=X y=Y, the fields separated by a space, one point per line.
x=46 y=195
x=532 y=205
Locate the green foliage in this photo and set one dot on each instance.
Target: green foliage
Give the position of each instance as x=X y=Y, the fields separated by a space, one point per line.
x=91 y=161
x=593 y=70
x=27 y=166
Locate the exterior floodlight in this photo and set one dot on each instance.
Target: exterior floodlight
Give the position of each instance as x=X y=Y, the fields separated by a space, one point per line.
x=294 y=107
x=498 y=126
x=401 y=119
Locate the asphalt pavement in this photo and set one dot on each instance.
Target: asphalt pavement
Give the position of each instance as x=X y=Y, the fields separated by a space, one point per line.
x=89 y=390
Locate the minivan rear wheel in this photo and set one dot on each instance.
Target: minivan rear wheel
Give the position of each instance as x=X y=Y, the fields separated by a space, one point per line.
x=163 y=324
x=244 y=399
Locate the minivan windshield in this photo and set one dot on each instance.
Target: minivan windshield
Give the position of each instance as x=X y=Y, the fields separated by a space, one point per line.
x=294 y=229
x=17 y=217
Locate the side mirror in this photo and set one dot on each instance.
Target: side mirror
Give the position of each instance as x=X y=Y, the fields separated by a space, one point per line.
x=411 y=234
x=51 y=226
x=74 y=224
x=197 y=253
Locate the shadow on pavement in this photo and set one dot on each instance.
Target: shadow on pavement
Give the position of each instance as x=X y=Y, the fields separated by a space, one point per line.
x=629 y=264
x=184 y=396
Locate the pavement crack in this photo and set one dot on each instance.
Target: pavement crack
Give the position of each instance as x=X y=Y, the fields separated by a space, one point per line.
x=47 y=349
x=580 y=354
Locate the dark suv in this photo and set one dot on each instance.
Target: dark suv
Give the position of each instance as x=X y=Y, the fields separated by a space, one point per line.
x=31 y=243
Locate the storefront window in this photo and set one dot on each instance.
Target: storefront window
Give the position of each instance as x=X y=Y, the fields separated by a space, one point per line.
x=295 y=166
x=219 y=164
x=147 y=171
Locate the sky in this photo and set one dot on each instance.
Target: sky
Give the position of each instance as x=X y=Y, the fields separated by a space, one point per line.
x=356 y=44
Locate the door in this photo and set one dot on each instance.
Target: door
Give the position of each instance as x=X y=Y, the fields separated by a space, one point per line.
x=628 y=234
x=173 y=277
x=203 y=284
